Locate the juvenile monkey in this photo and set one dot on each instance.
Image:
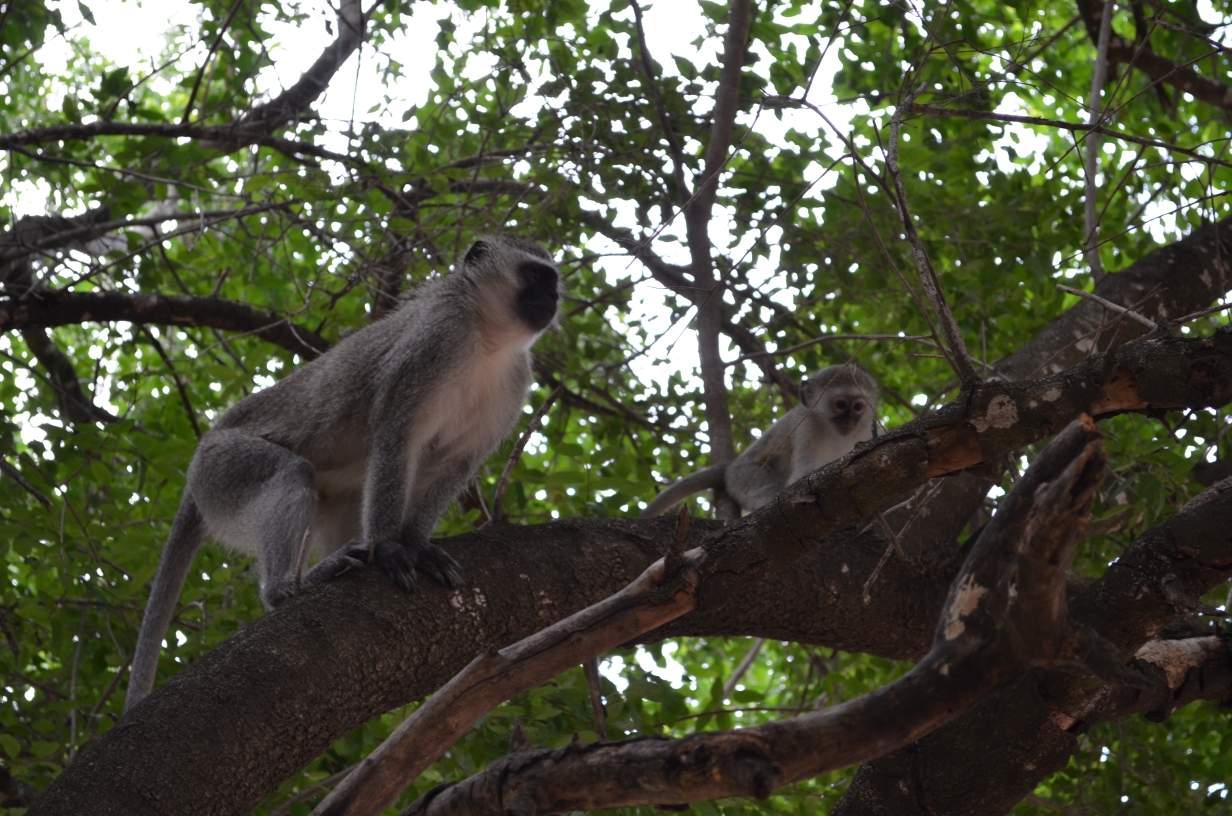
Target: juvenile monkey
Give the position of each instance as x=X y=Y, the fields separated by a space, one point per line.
x=837 y=410
x=358 y=453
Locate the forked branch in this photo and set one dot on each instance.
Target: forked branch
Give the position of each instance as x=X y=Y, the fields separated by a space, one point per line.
x=1005 y=614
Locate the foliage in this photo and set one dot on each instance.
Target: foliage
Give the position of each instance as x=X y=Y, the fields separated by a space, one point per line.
x=551 y=99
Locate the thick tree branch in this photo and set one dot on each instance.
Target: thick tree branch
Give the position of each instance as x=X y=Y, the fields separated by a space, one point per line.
x=327 y=661
x=59 y=307
x=1005 y=613
x=229 y=137
x=1036 y=721
x=1174 y=280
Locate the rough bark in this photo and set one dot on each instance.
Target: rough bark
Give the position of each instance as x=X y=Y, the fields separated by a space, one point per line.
x=1032 y=726
x=268 y=700
x=1005 y=612
x=1179 y=278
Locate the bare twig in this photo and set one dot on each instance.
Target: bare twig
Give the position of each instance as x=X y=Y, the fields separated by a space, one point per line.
x=1201 y=313
x=742 y=668
x=1108 y=304
x=15 y=474
x=498 y=498
x=932 y=110
x=922 y=338
x=1095 y=111
x=961 y=360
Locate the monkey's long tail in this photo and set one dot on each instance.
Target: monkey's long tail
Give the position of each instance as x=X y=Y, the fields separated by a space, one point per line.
x=187 y=532
x=705 y=479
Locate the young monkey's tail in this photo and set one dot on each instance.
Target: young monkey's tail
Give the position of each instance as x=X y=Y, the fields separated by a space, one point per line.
x=187 y=532
x=705 y=479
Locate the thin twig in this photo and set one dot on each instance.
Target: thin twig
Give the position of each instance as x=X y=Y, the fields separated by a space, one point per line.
x=965 y=113
x=928 y=276
x=745 y=664
x=1201 y=313
x=591 y=669
x=498 y=498
x=1096 y=114
x=15 y=474
x=222 y=29
x=922 y=338
x=1108 y=304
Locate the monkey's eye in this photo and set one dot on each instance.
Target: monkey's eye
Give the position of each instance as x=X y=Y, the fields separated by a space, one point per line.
x=857 y=406
x=840 y=404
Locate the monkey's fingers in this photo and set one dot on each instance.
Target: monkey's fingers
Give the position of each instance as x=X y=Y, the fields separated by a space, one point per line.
x=398 y=562
x=439 y=566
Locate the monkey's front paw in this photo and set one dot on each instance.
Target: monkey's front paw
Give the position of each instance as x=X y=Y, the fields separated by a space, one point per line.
x=401 y=562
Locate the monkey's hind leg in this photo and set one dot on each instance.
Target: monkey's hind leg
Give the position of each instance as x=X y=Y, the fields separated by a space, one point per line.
x=256 y=497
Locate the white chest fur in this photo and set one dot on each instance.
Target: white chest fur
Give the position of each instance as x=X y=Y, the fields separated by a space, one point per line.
x=473 y=412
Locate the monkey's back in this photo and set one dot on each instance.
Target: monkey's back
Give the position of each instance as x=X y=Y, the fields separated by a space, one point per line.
x=323 y=410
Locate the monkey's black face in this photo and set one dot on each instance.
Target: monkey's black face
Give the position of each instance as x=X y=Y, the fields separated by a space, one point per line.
x=847 y=410
x=536 y=304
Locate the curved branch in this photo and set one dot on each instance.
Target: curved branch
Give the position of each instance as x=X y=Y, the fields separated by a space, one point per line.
x=294 y=101
x=60 y=307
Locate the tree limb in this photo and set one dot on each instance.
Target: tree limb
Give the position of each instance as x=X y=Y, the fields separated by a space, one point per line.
x=1037 y=719
x=59 y=307
x=709 y=294
x=318 y=681
x=987 y=634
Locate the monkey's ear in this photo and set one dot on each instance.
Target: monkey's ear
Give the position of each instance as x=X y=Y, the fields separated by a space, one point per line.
x=804 y=389
x=478 y=251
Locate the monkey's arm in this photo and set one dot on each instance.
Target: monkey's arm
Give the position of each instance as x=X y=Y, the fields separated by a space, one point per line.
x=404 y=495
x=704 y=479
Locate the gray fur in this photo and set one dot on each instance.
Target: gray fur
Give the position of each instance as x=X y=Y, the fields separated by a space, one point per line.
x=366 y=445
x=825 y=427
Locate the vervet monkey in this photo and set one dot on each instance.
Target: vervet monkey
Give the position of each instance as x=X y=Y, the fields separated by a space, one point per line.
x=358 y=453
x=837 y=411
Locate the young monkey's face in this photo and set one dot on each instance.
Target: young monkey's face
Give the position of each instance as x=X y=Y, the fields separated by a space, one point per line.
x=847 y=411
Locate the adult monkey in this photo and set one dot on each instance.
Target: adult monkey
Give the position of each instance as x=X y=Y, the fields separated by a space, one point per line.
x=837 y=411
x=358 y=453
